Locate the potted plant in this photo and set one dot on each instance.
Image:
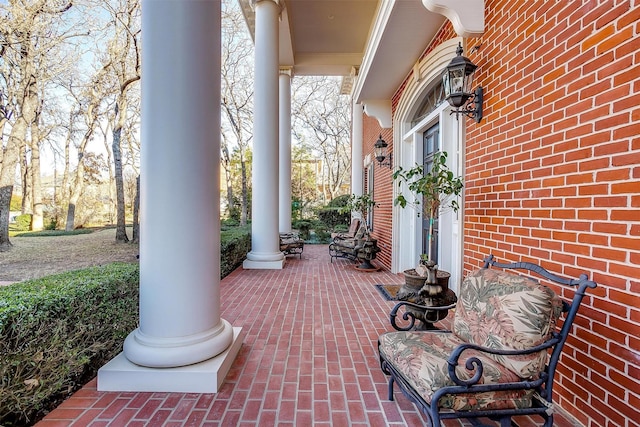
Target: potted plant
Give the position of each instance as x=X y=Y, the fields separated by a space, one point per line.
x=362 y=205
x=432 y=190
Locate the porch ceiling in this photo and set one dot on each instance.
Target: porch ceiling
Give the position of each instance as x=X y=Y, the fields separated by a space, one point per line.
x=332 y=37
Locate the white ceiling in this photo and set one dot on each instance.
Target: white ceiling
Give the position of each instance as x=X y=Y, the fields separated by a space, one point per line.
x=331 y=37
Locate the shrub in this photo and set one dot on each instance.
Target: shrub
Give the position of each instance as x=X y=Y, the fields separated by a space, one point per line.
x=304 y=227
x=234 y=245
x=322 y=233
x=333 y=216
x=341 y=228
x=23 y=222
x=57 y=331
x=50 y=233
x=339 y=201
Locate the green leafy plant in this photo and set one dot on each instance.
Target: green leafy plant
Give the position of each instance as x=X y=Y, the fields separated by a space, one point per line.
x=432 y=190
x=362 y=205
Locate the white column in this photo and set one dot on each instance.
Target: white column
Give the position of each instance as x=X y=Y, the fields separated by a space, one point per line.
x=265 y=248
x=356 y=150
x=285 y=151
x=180 y=320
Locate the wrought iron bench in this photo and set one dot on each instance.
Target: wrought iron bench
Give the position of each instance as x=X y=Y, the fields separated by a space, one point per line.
x=500 y=358
x=291 y=244
x=347 y=247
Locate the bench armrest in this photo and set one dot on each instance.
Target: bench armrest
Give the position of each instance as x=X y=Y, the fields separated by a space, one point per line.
x=474 y=364
x=409 y=315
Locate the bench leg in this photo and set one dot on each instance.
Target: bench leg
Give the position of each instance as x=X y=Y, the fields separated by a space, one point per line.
x=391 y=389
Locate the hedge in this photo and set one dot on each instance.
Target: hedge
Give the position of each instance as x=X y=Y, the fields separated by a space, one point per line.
x=234 y=246
x=57 y=331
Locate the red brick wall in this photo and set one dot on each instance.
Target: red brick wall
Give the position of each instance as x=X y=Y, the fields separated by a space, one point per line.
x=382 y=189
x=553 y=176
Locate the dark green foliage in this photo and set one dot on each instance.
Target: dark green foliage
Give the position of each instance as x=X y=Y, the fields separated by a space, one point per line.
x=55 y=332
x=341 y=228
x=322 y=233
x=333 y=216
x=339 y=201
x=52 y=224
x=49 y=233
x=235 y=243
x=304 y=228
x=23 y=222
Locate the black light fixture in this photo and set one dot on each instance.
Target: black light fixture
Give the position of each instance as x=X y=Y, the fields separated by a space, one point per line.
x=380 y=151
x=457 y=81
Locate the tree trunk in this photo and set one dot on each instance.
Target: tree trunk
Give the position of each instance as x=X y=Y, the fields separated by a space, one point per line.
x=245 y=193
x=7 y=178
x=136 y=213
x=226 y=165
x=121 y=231
x=25 y=177
x=112 y=185
x=37 y=220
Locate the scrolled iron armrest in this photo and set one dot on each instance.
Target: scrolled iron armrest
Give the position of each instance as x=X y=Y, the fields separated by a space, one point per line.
x=474 y=364
x=409 y=316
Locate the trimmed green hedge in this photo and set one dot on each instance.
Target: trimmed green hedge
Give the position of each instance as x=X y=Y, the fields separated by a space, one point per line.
x=56 y=332
x=234 y=246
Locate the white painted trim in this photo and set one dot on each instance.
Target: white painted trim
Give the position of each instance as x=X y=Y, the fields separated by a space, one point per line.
x=466 y=16
x=380 y=110
x=408 y=150
x=382 y=18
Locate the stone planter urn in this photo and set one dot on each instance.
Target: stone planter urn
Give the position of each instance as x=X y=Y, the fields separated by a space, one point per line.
x=418 y=291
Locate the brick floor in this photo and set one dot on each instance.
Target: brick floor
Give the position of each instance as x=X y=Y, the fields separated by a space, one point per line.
x=309 y=358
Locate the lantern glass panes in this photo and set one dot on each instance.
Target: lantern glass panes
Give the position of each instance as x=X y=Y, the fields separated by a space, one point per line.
x=458 y=79
x=380 y=149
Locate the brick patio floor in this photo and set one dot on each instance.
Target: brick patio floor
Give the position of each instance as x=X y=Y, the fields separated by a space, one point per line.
x=309 y=358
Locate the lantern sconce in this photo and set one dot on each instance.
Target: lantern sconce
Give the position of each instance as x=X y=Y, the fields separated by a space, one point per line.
x=457 y=81
x=380 y=151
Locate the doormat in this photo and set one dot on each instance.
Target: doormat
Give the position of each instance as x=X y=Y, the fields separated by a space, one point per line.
x=388 y=291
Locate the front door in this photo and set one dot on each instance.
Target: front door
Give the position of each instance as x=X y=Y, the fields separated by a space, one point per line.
x=430 y=144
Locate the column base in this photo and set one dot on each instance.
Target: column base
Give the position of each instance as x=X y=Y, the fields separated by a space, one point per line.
x=263 y=265
x=120 y=374
x=264 y=261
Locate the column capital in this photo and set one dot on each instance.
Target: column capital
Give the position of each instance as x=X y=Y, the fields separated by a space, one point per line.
x=287 y=71
x=279 y=3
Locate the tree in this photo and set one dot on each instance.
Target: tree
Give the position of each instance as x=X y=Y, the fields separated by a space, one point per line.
x=322 y=122
x=28 y=33
x=124 y=66
x=304 y=180
x=236 y=103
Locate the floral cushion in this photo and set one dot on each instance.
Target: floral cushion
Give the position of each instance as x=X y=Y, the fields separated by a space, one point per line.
x=421 y=358
x=506 y=311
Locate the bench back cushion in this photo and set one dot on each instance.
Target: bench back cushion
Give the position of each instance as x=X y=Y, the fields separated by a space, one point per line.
x=353 y=228
x=506 y=311
x=361 y=232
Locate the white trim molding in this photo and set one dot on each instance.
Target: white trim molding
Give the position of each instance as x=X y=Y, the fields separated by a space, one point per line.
x=379 y=109
x=466 y=16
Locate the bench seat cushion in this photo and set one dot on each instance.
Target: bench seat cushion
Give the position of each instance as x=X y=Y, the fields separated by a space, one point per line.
x=421 y=358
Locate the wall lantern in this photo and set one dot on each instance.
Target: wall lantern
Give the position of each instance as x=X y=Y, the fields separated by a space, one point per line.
x=381 y=152
x=457 y=81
